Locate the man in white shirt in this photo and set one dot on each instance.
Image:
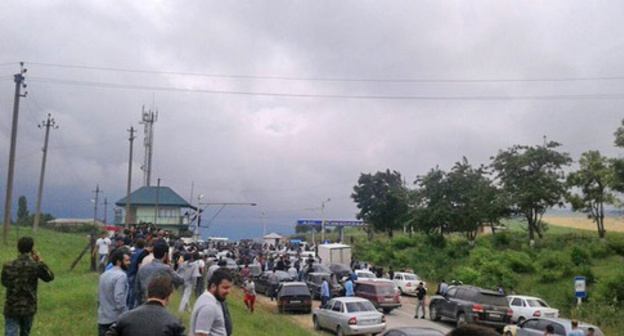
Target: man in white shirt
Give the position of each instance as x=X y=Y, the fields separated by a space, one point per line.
x=102 y=246
x=208 y=318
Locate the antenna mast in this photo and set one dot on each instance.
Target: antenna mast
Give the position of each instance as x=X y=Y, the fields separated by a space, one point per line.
x=148 y=118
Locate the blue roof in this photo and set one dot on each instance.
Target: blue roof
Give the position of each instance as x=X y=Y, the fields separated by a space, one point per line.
x=150 y=195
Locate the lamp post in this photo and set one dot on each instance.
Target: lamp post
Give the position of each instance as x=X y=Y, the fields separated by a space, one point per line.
x=323 y=219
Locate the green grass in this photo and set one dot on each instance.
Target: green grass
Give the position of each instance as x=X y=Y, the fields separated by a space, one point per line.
x=68 y=305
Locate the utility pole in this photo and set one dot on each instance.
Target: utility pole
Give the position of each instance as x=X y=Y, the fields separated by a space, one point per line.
x=105 y=208
x=148 y=118
x=97 y=192
x=129 y=187
x=156 y=205
x=19 y=84
x=323 y=219
x=49 y=123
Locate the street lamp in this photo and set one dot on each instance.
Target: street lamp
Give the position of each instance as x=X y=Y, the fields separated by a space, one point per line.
x=323 y=219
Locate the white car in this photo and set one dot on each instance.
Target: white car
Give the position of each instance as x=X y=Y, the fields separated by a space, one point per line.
x=526 y=307
x=364 y=274
x=349 y=316
x=407 y=282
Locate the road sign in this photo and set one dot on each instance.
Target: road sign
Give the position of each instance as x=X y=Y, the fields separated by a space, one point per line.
x=579 y=287
x=312 y=222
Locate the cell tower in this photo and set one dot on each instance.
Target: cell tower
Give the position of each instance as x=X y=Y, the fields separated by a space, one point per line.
x=148 y=118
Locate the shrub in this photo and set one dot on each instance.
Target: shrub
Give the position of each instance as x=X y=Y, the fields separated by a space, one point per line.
x=586 y=271
x=579 y=256
x=403 y=242
x=600 y=250
x=611 y=290
x=519 y=262
x=616 y=243
x=480 y=255
x=549 y=276
x=467 y=275
x=558 y=261
x=501 y=240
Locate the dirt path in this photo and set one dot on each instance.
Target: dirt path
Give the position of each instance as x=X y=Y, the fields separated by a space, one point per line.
x=583 y=223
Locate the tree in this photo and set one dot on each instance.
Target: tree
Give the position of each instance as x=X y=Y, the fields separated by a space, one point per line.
x=22 y=210
x=533 y=180
x=473 y=199
x=382 y=200
x=593 y=178
x=617 y=182
x=459 y=201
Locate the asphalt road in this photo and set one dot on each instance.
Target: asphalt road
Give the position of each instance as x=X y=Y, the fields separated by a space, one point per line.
x=402 y=317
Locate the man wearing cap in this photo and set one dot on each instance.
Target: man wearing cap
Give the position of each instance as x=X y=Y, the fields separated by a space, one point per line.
x=159 y=266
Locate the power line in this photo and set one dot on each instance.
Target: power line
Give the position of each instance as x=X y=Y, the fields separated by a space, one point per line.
x=329 y=79
x=605 y=96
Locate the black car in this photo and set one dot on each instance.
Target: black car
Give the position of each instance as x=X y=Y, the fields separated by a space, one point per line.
x=316 y=267
x=262 y=282
x=339 y=270
x=294 y=296
x=314 y=280
x=468 y=304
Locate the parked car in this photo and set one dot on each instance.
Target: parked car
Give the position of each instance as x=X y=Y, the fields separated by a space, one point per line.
x=412 y=331
x=294 y=296
x=365 y=274
x=262 y=282
x=349 y=316
x=469 y=304
x=537 y=326
x=406 y=282
x=382 y=294
x=340 y=270
x=525 y=307
x=316 y=267
x=314 y=281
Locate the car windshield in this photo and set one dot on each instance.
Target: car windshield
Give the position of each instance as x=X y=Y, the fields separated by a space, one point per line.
x=492 y=299
x=411 y=277
x=360 y=306
x=537 y=303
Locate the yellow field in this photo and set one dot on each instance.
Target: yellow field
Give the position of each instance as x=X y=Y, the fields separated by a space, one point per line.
x=583 y=223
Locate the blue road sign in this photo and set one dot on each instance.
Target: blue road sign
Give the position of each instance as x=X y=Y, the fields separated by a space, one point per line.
x=315 y=222
x=309 y=222
x=579 y=287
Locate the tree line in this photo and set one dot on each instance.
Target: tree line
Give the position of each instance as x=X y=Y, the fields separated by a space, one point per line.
x=520 y=181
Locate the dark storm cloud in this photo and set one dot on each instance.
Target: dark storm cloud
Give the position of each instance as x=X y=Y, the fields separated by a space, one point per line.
x=287 y=153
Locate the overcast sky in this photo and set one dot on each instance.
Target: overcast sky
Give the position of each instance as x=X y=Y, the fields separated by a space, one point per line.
x=285 y=103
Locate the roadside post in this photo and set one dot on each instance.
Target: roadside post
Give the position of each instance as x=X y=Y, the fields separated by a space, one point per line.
x=579 y=289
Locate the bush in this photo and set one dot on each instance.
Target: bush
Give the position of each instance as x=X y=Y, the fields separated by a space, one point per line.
x=519 y=262
x=616 y=243
x=556 y=261
x=586 y=271
x=480 y=255
x=600 y=250
x=579 y=256
x=467 y=275
x=403 y=242
x=611 y=290
x=549 y=276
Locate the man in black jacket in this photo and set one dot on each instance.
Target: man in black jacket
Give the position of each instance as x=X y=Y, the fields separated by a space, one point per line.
x=152 y=318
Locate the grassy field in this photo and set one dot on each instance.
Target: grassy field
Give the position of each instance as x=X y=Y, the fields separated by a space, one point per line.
x=581 y=222
x=68 y=305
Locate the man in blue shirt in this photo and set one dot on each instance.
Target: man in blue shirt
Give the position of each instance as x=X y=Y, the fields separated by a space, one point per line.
x=113 y=291
x=349 y=288
x=325 y=293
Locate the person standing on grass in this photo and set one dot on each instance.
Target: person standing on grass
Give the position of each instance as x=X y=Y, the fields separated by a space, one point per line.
x=152 y=318
x=113 y=291
x=421 y=297
x=208 y=317
x=159 y=266
x=102 y=246
x=20 y=277
x=249 y=287
x=189 y=274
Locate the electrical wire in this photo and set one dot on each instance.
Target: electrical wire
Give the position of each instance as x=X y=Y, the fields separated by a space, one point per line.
x=604 y=96
x=328 y=79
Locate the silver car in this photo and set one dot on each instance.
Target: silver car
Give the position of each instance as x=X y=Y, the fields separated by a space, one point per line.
x=349 y=316
x=537 y=326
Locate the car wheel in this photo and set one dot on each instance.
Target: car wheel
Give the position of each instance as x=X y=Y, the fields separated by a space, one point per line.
x=317 y=326
x=339 y=331
x=520 y=320
x=433 y=313
x=461 y=319
x=387 y=310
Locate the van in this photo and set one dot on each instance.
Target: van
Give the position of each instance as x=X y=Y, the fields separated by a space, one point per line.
x=382 y=294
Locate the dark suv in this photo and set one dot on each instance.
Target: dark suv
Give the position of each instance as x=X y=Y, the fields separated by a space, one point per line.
x=382 y=294
x=468 y=304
